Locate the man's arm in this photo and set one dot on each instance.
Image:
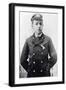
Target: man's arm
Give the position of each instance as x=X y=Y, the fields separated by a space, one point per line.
x=24 y=56
x=52 y=52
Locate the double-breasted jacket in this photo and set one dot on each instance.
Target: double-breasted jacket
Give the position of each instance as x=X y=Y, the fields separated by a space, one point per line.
x=34 y=56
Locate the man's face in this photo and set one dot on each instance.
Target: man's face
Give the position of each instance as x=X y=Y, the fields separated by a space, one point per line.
x=37 y=26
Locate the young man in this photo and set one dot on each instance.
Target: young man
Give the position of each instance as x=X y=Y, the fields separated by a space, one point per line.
x=34 y=57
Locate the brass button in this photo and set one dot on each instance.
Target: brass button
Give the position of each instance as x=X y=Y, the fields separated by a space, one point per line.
x=41 y=70
x=41 y=52
x=33 y=53
x=34 y=62
x=33 y=70
x=41 y=61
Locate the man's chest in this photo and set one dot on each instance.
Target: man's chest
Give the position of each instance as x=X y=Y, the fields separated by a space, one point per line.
x=38 y=49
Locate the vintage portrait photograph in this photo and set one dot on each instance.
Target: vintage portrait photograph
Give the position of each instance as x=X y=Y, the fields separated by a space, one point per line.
x=38 y=44
x=38 y=53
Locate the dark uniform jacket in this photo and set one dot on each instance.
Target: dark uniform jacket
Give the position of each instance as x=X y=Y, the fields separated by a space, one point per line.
x=34 y=57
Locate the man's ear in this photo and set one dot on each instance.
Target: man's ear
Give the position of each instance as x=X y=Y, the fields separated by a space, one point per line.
x=43 y=25
x=32 y=25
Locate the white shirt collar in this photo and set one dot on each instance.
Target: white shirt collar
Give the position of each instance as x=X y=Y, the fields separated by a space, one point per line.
x=38 y=35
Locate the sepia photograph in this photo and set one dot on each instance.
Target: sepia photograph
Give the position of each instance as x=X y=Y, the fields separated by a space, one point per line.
x=38 y=44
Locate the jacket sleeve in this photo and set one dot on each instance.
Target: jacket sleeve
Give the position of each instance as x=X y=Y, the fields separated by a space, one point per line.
x=52 y=53
x=24 y=56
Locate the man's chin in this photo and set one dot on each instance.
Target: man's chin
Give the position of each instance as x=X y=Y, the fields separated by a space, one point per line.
x=39 y=33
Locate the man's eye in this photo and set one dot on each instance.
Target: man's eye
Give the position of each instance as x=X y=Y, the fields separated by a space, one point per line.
x=36 y=23
x=40 y=23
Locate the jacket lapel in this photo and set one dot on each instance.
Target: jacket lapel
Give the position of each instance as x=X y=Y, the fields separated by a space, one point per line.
x=38 y=40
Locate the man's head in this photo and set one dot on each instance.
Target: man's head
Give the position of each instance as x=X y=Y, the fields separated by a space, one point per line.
x=37 y=23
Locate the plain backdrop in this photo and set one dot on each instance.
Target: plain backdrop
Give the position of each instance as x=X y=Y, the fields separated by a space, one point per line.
x=4 y=44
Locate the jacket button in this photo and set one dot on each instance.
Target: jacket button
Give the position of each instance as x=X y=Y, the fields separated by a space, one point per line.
x=41 y=61
x=33 y=53
x=33 y=70
x=41 y=52
x=41 y=70
x=34 y=62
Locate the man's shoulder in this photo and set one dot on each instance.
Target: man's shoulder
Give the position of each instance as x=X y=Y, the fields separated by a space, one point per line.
x=29 y=39
x=47 y=38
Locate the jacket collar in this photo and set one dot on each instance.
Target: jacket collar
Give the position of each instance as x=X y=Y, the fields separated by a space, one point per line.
x=38 y=40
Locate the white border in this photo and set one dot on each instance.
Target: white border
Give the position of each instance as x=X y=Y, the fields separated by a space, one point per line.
x=41 y=79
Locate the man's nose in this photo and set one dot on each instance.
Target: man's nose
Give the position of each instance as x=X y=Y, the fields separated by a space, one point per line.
x=38 y=25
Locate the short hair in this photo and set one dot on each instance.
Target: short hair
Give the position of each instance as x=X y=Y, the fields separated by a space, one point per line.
x=38 y=17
